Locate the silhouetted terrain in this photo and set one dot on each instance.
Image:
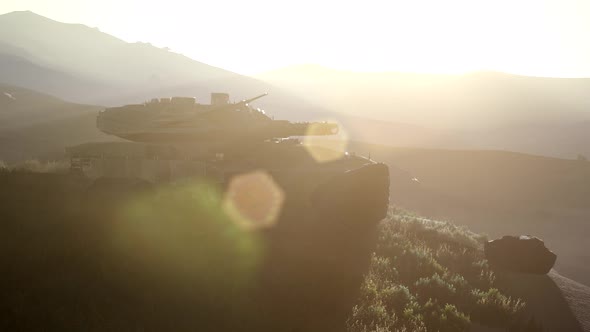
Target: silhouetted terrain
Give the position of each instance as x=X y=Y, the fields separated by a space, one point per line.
x=122 y=255
x=119 y=255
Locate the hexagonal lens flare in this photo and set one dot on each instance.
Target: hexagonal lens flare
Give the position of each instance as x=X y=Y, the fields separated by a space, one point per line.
x=254 y=200
x=325 y=149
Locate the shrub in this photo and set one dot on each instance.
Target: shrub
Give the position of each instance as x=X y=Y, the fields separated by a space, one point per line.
x=445 y=318
x=495 y=309
x=396 y=298
x=435 y=287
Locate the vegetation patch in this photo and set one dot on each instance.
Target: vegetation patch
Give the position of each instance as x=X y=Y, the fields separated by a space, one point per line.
x=428 y=275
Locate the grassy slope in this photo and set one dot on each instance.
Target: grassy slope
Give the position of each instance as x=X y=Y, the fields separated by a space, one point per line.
x=428 y=275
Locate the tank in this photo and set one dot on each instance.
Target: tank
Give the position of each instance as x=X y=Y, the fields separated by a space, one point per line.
x=171 y=139
x=312 y=210
x=182 y=119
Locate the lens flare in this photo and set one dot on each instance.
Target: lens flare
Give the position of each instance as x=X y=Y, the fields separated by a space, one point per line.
x=180 y=235
x=325 y=148
x=253 y=200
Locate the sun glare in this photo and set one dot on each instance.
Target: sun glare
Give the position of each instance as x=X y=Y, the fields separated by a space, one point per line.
x=539 y=38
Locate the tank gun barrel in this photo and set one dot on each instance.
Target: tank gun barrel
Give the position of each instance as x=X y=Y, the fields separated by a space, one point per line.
x=247 y=101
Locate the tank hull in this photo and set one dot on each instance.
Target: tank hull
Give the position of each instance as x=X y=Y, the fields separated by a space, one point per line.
x=181 y=120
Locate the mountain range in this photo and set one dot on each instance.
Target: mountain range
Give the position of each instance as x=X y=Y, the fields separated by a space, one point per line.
x=80 y=64
x=488 y=110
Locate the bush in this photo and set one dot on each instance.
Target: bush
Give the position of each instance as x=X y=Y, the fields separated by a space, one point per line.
x=435 y=287
x=445 y=318
x=397 y=298
x=495 y=309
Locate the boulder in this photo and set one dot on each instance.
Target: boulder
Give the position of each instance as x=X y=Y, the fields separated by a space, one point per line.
x=525 y=254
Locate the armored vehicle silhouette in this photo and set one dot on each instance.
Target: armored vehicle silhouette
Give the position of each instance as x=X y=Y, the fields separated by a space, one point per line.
x=177 y=138
x=314 y=217
x=181 y=119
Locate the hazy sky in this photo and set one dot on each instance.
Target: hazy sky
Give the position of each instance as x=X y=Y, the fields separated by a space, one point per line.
x=532 y=37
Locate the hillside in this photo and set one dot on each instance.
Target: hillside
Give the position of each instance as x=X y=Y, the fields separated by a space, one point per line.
x=20 y=71
x=103 y=260
x=490 y=110
x=82 y=64
x=497 y=192
x=86 y=51
x=20 y=107
x=428 y=275
x=53 y=57
x=36 y=125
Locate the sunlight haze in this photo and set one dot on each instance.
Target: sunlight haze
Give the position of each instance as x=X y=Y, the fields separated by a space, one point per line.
x=295 y=165
x=537 y=38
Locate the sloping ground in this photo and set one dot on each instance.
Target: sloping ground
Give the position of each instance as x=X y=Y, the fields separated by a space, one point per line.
x=36 y=125
x=547 y=299
x=47 y=141
x=21 y=107
x=497 y=193
x=119 y=255
x=428 y=275
x=20 y=71
x=425 y=275
x=577 y=296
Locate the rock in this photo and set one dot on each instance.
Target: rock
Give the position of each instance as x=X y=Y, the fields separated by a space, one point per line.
x=525 y=254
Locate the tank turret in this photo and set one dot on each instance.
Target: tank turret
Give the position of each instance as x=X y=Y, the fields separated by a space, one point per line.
x=182 y=119
x=218 y=98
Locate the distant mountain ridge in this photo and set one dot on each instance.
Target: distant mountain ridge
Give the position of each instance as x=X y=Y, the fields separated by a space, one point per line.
x=479 y=100
x=491 y=110
x=81 y=64
x=479 y=111
x=89 y=51
x=90 y=55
